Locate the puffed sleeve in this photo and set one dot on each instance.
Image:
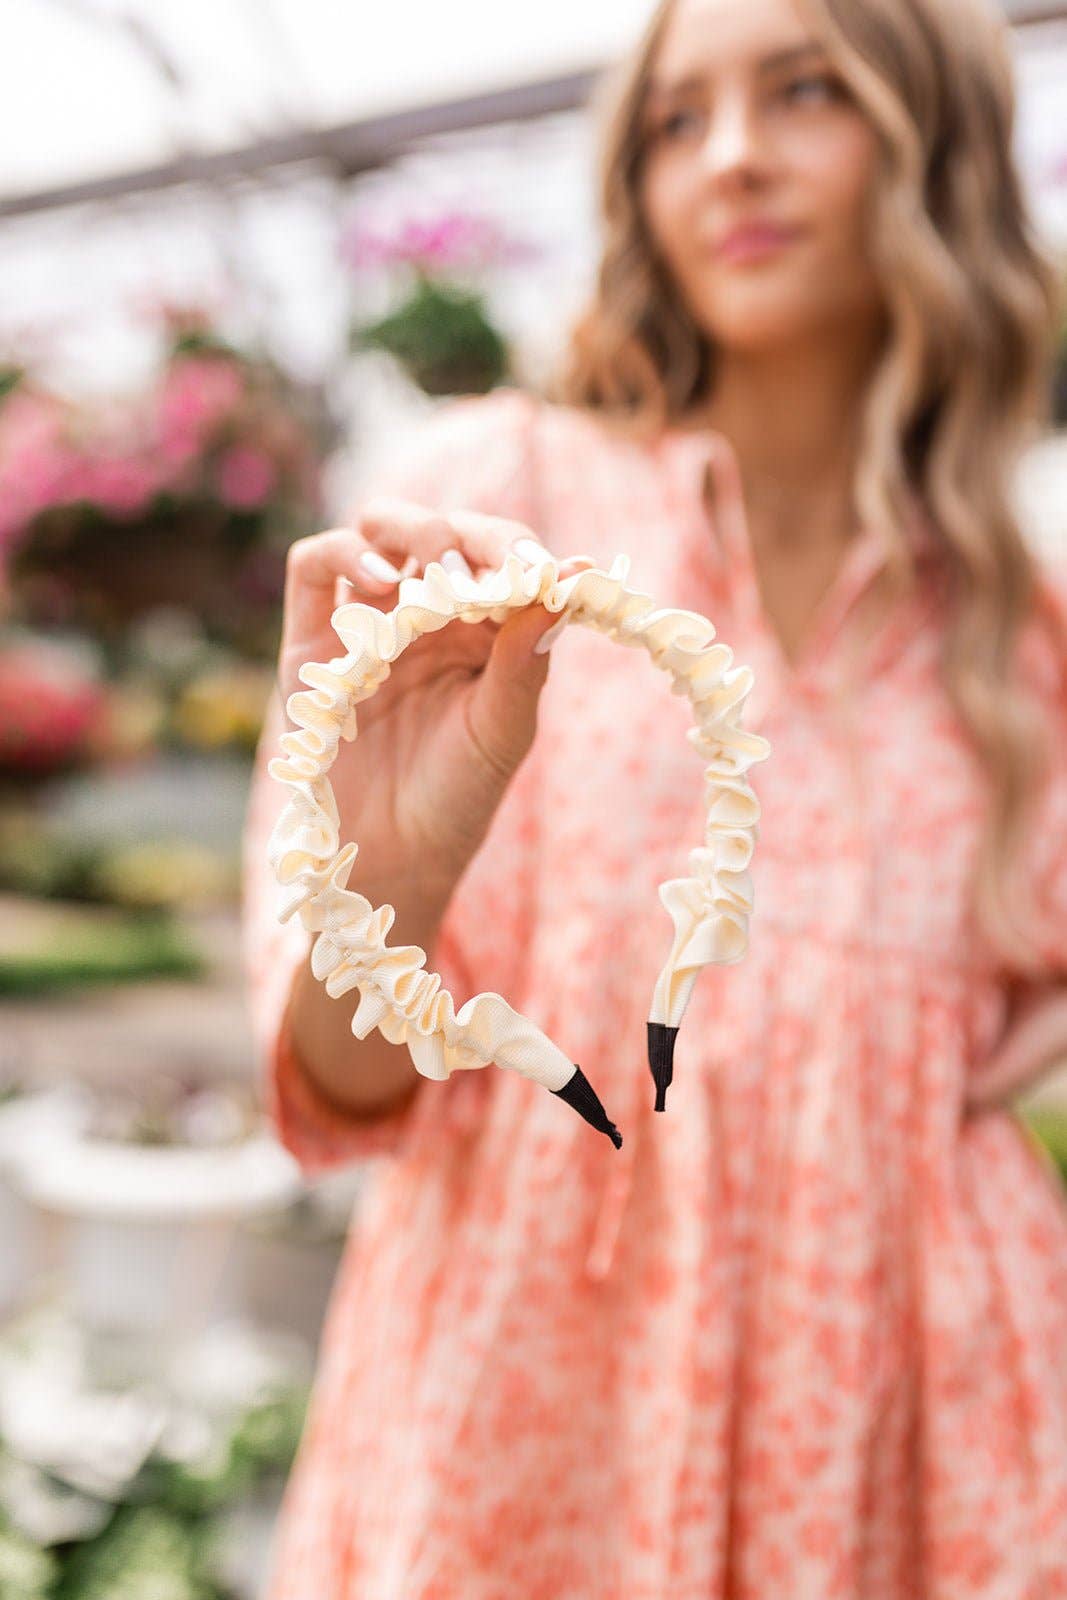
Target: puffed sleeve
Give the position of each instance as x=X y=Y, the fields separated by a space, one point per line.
x=472 y=453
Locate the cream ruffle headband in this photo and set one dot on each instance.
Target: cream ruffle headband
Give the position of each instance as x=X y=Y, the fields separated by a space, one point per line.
x=710 y=910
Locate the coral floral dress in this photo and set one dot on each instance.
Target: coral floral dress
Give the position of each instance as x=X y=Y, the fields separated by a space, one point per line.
x=804 y=1334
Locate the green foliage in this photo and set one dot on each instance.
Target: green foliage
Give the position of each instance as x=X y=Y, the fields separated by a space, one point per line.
x=443 y=336
x=1049 y=1127
x=10 y=378
x=166 y=1539
x=46 y=864
x=269 y=1432
x=135 y=947
x=194 y=340
x=263 y=1441
x=144 y=1553
x=26 y=1571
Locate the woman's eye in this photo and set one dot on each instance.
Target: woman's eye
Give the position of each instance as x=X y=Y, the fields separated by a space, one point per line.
x=824 y=85
x=669 y=124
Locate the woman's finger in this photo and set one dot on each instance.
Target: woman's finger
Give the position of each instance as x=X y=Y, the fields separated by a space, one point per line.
x=396 y=539
x=401 y=528
x=454 y=560
x=314 y=566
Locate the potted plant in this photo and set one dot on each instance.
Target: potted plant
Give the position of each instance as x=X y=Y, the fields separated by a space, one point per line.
x=152 y=1182
x=440 y=328
x=25 y=1113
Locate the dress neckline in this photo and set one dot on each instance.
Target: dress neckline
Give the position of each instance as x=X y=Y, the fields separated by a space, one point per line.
x=723 y=552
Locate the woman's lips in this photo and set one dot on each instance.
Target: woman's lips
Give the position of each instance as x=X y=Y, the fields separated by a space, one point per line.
x=754 y=240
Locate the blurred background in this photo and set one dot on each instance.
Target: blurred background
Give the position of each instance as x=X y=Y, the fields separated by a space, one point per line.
x=243 y=244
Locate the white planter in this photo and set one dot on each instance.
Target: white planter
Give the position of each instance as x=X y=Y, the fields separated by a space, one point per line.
x=169 y=1277
x=24 y=1123
x=149 y=1232
x=147 y=1183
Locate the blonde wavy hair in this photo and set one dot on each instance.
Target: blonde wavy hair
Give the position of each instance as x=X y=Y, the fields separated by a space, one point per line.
x=962 y=385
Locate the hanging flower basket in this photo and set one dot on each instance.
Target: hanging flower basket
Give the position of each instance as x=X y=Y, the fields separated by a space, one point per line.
x=444 y=339
x=110 y=572
x=186 y=495
x=441 y=331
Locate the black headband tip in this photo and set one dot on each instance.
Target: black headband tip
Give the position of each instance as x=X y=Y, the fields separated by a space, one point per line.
x=579 y=1093
x=661 y=1039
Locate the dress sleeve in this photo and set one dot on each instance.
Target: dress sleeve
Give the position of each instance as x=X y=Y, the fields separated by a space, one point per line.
x=471 y=453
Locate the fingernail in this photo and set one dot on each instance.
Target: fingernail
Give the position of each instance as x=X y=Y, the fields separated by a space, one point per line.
x=377 y=567
x=455 y=561
x=531 y=551
x=549 y=637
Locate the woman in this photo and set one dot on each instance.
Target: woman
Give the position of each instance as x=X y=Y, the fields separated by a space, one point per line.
x=805 y=1335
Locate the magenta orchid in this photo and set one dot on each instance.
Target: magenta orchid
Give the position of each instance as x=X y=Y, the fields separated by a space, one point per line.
x=454 y=241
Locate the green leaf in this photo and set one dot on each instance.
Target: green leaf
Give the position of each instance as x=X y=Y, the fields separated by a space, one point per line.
x=443 y=335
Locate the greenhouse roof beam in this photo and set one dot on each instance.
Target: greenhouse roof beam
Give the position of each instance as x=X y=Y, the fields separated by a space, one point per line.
x=345 y=149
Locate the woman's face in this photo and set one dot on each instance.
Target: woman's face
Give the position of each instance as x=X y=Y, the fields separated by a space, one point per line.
x=747 y=124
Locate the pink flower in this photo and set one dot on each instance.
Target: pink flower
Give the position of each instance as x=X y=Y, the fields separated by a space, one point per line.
x=178 y=443
x=35 y=478
x=48 y=709
x=37 y=461
x=246 y=477
x=120 y=484
x=28 y=421
x=197 y=394
x=455 y=240
x=364 y=248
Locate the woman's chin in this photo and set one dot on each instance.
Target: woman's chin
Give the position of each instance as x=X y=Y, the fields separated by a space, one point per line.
x=757 y=328
x=754 y=311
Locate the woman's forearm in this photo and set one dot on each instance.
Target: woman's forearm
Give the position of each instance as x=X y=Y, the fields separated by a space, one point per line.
x=364 y=1076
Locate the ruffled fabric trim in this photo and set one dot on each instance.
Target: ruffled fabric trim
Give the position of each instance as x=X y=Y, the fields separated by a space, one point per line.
x=709 y=910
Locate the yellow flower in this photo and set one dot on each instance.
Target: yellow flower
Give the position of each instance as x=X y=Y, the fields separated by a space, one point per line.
x=224 y=707
x=175 y=873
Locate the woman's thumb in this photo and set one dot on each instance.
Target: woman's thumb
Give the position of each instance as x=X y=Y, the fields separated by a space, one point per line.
x=503 y=708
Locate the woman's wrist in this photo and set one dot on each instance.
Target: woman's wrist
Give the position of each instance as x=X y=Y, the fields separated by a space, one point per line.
x=362 y=1076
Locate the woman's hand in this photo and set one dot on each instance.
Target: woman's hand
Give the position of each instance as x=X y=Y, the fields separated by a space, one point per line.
x=438 y=743
x=1034 y=1041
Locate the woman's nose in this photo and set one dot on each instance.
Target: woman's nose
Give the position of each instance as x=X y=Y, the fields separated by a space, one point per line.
x=732 y=138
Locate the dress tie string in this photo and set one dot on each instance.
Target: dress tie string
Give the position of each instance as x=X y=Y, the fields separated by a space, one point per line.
x=615 y=1193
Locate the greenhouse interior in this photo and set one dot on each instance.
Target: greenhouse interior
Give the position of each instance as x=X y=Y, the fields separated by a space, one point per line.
x=246 y=249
